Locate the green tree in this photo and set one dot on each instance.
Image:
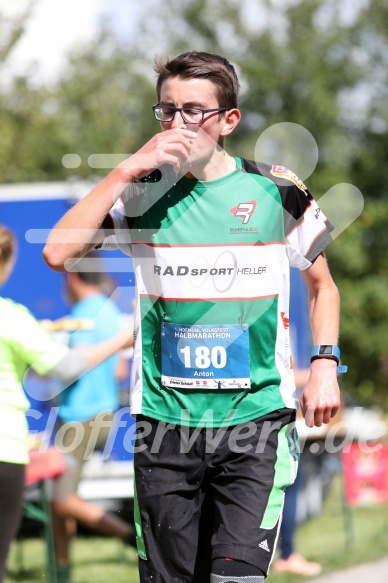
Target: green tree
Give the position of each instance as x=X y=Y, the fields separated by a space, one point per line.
x=104 y=101
x=11 y=30
x=98 y=106
x=33 y=137
x=359 y=260
x=370 y=118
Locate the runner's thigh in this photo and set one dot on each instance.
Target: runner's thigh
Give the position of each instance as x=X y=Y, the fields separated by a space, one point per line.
x=248 y=486
x=169 y=507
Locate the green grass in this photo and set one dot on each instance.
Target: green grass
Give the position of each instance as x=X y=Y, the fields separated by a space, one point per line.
x=341 y=538
x=95 y=560
x=334 y=539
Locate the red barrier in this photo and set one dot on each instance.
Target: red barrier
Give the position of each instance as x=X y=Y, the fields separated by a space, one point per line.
x=366 y=474
x=44 y=465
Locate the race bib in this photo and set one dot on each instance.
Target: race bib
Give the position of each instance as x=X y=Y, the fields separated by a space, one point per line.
x=205 y=356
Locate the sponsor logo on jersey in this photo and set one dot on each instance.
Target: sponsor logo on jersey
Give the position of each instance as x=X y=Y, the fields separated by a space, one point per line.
x=185 y=270
x=243 y=230
x=181 y=382
x=244 y=210
x=219 y=384
x=182 y=270
x=283 y=172
x=285 y=320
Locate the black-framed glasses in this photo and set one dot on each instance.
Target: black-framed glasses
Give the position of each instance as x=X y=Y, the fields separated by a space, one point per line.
x=167 y=113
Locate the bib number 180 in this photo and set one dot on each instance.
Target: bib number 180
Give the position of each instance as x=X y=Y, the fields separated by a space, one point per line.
x=205 y=357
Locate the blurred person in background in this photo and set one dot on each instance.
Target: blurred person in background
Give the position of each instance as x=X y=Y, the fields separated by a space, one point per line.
x=24 y=343
x=290 y=561
x=87 y=405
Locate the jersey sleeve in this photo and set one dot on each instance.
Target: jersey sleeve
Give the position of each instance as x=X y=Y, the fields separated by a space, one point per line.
x=116 y=232
x=307 y=229
x=33 y=344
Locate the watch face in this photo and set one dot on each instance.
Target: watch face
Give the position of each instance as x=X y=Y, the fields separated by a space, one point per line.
x=326 y=349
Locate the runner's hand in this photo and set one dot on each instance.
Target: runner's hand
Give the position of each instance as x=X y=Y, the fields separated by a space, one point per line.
x=321 y=398
x=168 y=147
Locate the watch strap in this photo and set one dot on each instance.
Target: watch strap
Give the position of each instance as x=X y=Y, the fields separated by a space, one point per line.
x=331 y=351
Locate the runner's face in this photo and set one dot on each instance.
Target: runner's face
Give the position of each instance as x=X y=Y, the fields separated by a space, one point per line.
x=199 y=93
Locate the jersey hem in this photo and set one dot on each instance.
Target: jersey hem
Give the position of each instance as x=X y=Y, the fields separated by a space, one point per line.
x=200 y=423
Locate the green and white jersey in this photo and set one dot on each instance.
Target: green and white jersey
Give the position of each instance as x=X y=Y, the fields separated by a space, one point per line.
x=212 y=263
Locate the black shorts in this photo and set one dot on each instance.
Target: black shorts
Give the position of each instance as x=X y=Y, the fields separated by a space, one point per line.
x=203 y=493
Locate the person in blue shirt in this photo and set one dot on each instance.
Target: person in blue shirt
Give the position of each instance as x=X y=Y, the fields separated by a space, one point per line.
x=86 y=411
x=80 y=401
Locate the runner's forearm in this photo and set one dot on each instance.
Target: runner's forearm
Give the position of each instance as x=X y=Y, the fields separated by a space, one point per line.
x=324 y=315
x=79 y=230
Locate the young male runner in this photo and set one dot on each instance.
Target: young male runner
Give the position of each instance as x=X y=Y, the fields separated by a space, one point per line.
x=212 y=239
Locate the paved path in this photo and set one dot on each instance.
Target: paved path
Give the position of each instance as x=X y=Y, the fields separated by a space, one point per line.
x=376 y=572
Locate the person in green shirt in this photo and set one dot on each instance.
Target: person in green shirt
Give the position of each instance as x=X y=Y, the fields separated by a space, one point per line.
x=212 y=238
x=24 y=343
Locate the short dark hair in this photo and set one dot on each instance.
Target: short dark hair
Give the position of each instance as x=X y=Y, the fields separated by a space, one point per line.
x=85 y=274
x=91 y=277
x=7 y=245
x=200 y=65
